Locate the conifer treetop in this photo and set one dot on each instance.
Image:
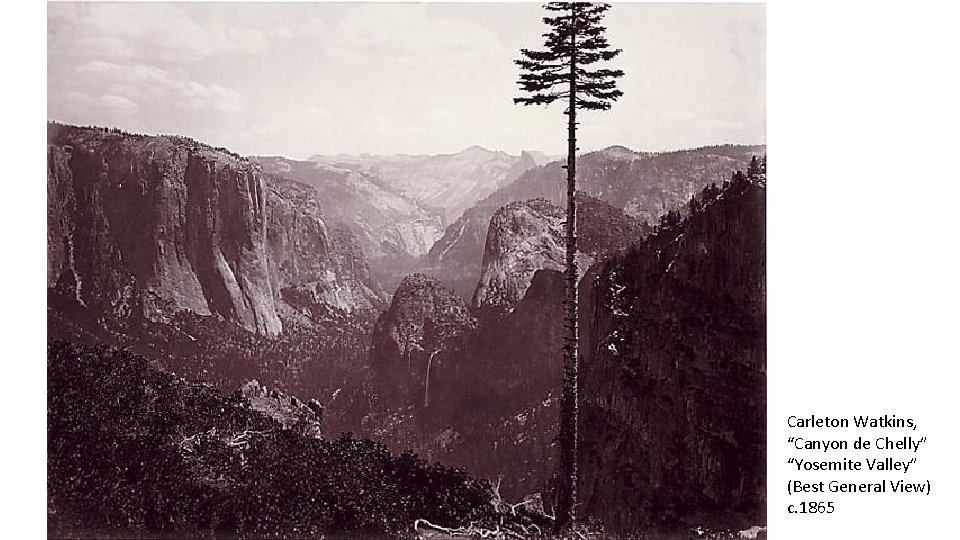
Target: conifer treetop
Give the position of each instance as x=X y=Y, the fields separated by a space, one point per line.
x=575 y=41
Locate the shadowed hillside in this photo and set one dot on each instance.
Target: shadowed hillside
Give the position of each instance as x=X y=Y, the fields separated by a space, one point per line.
x=674 y=370
x=135 y=452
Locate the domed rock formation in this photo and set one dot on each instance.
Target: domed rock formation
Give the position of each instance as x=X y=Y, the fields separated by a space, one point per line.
x=420 y=324
x=524 y=237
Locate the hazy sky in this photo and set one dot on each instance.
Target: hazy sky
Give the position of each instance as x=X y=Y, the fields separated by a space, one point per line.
x=301 y=79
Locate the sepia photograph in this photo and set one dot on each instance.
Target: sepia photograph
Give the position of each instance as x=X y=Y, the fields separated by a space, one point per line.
x=406 y=270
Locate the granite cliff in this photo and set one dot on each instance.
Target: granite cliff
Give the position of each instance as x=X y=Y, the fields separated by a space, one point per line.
x=316 y=269
x=147 y=226
x=526 y=236
x=143 y=227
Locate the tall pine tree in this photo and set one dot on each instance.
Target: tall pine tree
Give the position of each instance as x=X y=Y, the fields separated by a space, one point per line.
x=574 y=42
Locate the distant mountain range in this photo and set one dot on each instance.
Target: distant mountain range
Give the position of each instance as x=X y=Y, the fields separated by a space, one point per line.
x=449 y=183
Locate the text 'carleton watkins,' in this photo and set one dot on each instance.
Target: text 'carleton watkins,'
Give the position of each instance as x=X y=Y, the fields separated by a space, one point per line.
x=883 y=422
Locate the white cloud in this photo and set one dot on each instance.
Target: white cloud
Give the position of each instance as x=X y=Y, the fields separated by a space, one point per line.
x=210 y=96
x=408 y=34
x=151 y=83
x=98 y=66
x=76 y=97
x=163 y=32
x=118 y=103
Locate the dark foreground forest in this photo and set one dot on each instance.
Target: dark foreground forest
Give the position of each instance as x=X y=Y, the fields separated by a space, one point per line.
x=136 y=452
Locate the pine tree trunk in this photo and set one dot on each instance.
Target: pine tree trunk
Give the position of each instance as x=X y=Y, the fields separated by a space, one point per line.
x=567 y=492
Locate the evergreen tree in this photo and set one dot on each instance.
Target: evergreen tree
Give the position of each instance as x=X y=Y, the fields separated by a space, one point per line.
x=575 y=40
x=753 y=171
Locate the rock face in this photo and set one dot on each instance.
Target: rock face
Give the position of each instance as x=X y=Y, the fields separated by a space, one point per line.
x=391 y=226
x=644 y=185
x=673 y=377
x=422 y=321
x=524 y=237
x=290 y=412
x=152 y=225
x=315 y=269
x=148 y=226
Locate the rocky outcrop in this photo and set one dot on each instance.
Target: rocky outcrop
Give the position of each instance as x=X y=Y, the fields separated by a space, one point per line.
x=423 y=321
x=524 y=237
x=61 y=205
x=644 y=185
x=148 y=226
x=673 y=377
x=316 y=270
x=288 y=411
x=143 y=227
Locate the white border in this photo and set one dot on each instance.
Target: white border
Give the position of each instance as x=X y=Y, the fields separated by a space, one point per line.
x=862 y=236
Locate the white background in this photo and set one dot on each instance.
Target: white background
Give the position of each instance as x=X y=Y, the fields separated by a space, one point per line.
x=862 y=250
x=862 y=246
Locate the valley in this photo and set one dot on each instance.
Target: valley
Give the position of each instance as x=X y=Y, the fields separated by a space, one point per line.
x=416 y=301
x=405 y=270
